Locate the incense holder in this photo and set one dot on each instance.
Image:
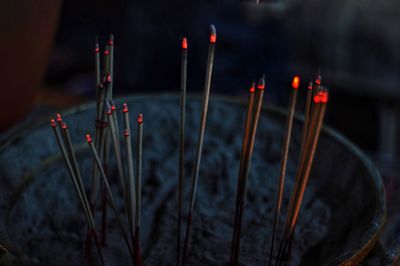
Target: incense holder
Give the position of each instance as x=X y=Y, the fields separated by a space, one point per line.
x=342 y=215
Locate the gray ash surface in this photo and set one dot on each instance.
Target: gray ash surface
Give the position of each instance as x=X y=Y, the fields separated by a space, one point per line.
x=46 y=225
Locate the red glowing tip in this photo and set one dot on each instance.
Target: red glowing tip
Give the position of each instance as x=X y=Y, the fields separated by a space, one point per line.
x=321 y=97
x=106 y=52
x=96 y=50
x=140 y=119
x=88 y=138
x=126 y=133
x=310 y=86
x=53 y=123
x=324 y=97
x=108 y=78
x=317 y=99
x=113 y=108
x=213 y=38
x=124 y=108
x=261 y=83
x=213 y=34
x=111 y=40
x=59 y=118
x=109 y=112
x=64 y=125
x=296 y=82
x=184 y=43
x=252 y=89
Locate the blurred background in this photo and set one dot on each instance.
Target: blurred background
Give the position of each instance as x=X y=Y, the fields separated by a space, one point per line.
x=48 y=64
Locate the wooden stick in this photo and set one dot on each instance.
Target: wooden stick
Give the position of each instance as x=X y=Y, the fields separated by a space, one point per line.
x=100 y=124
x=182 y=104
x=131 y=177
x=81 y=195
x=246 y=167
x=97 y=62
x=138 y=258
x=284 y=158
x=196 y=168
x=108 y=190
x=117 y=152
x=248 y=121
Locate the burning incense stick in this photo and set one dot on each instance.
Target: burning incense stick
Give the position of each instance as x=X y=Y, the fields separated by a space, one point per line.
x=248 y=121
x=138 y=258
x=131 y=177
x=246 y=168
x=78 y=188
x=100 y=124
x=307 y=114
x=108 y=190
x=196 y=168
x=117 y=152
x=285 y=153
x=182 y=104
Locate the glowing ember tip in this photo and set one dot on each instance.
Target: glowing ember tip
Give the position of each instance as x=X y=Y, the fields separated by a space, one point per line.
x=113 y=108
x=53 y=123
x=88 y=138
x=106 y=52
x=96 y=50
x=253 y=87
x=124 y=108
x=296 y=82
x=324 y=97
x=126 y=133
x=261 y=83
x=108 y=78
x=310 y=86
x=109 y=111
x=64 y=125
x=317 y=99
x=213 y=34
x=140 y=118
x=184 y=43
x=59 y=118
x=111 y=40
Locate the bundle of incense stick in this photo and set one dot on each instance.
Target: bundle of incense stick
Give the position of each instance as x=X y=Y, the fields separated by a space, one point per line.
x=317 y=99
x=107 y=135
x=251 y=123
x=196 y=167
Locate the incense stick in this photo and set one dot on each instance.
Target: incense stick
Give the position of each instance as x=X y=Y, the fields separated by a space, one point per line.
x=131 y=177
x=246 y=167
x=97 y=62
x=81 y=195
x=181 y=166
x=248 y=121
x=100 y=124
x=196 y=168
x=138 y=258
x=108 y=190
x=115 y=140
x=284 y=158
